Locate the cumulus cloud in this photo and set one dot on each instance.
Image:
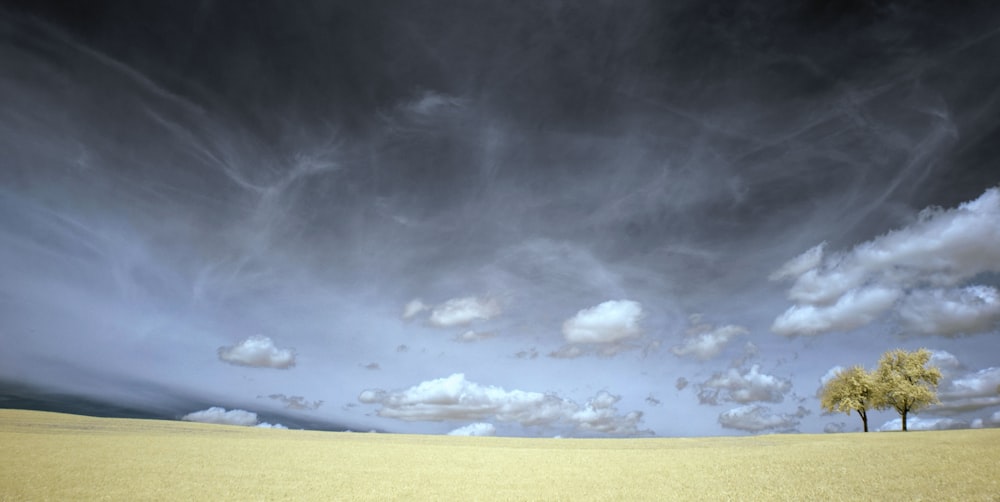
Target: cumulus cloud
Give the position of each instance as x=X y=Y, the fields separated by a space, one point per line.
x=705 y=341
x=950 y=312
x=854 y=309
x=969 y=392
x=476 y=429
x=603 y=330
x=758 y=418
x=462 y=311
x=609 y=322
x=259 y=352
x=743 y=387
x=918 y=270
x=946 y=362
x=455 y=398
x=217 y=415
x=265 y=425
x=924 y=424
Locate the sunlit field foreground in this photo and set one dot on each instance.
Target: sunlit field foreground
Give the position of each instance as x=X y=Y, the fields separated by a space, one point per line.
x=50 y=456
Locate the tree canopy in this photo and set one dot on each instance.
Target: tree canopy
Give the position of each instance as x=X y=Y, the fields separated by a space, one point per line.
x=905 y=382
x=850 y=390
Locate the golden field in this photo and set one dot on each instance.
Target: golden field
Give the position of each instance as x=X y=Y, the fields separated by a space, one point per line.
x=51 y=456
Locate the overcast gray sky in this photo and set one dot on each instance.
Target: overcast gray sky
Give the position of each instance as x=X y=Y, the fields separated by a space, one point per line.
x=528 y=218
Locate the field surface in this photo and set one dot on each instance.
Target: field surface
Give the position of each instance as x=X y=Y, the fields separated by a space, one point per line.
x=51 y=456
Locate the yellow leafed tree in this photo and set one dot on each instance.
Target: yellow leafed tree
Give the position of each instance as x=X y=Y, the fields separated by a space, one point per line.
x=850 y=390
x=905 y=382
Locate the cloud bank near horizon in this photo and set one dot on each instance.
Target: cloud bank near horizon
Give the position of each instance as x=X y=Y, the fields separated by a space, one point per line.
x=456 y=399
x=221 y=416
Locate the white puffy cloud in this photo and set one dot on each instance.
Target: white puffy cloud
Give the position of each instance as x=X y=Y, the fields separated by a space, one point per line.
x=705 y=341
x=854 y=309
x=944 y=361
x=910 y=268
x=609 y=322
x=746 y=387
x=455 y=398
x=259 y=352
x=759 y=418
x=265 y=425
x=972 y=391
x=462 y=311
x=969 y=310
x=217 y=415
x=924 y=424
x=476 y=429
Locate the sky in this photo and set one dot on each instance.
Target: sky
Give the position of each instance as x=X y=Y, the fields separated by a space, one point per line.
x=528 y=218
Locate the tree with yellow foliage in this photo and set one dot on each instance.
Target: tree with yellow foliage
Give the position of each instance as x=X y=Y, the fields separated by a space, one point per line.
x=850 y=390
x=904 y=382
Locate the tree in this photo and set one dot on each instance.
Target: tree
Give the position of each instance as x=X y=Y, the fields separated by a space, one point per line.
x=905 y=382
x=851 y=389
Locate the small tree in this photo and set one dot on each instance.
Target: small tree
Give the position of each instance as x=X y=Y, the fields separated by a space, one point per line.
x=905 y=383
x=850 y=390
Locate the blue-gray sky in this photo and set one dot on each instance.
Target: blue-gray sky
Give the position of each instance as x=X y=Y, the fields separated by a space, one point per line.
x=529 y=218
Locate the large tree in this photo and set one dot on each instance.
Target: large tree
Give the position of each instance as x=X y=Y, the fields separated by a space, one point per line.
x=851 y=389
x=905 y=382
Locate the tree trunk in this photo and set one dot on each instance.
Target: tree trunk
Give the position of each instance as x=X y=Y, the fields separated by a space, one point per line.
x=864 y=418
x=903 y=414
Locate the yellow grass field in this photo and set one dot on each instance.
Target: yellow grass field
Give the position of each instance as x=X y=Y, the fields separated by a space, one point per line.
x=51 y=456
